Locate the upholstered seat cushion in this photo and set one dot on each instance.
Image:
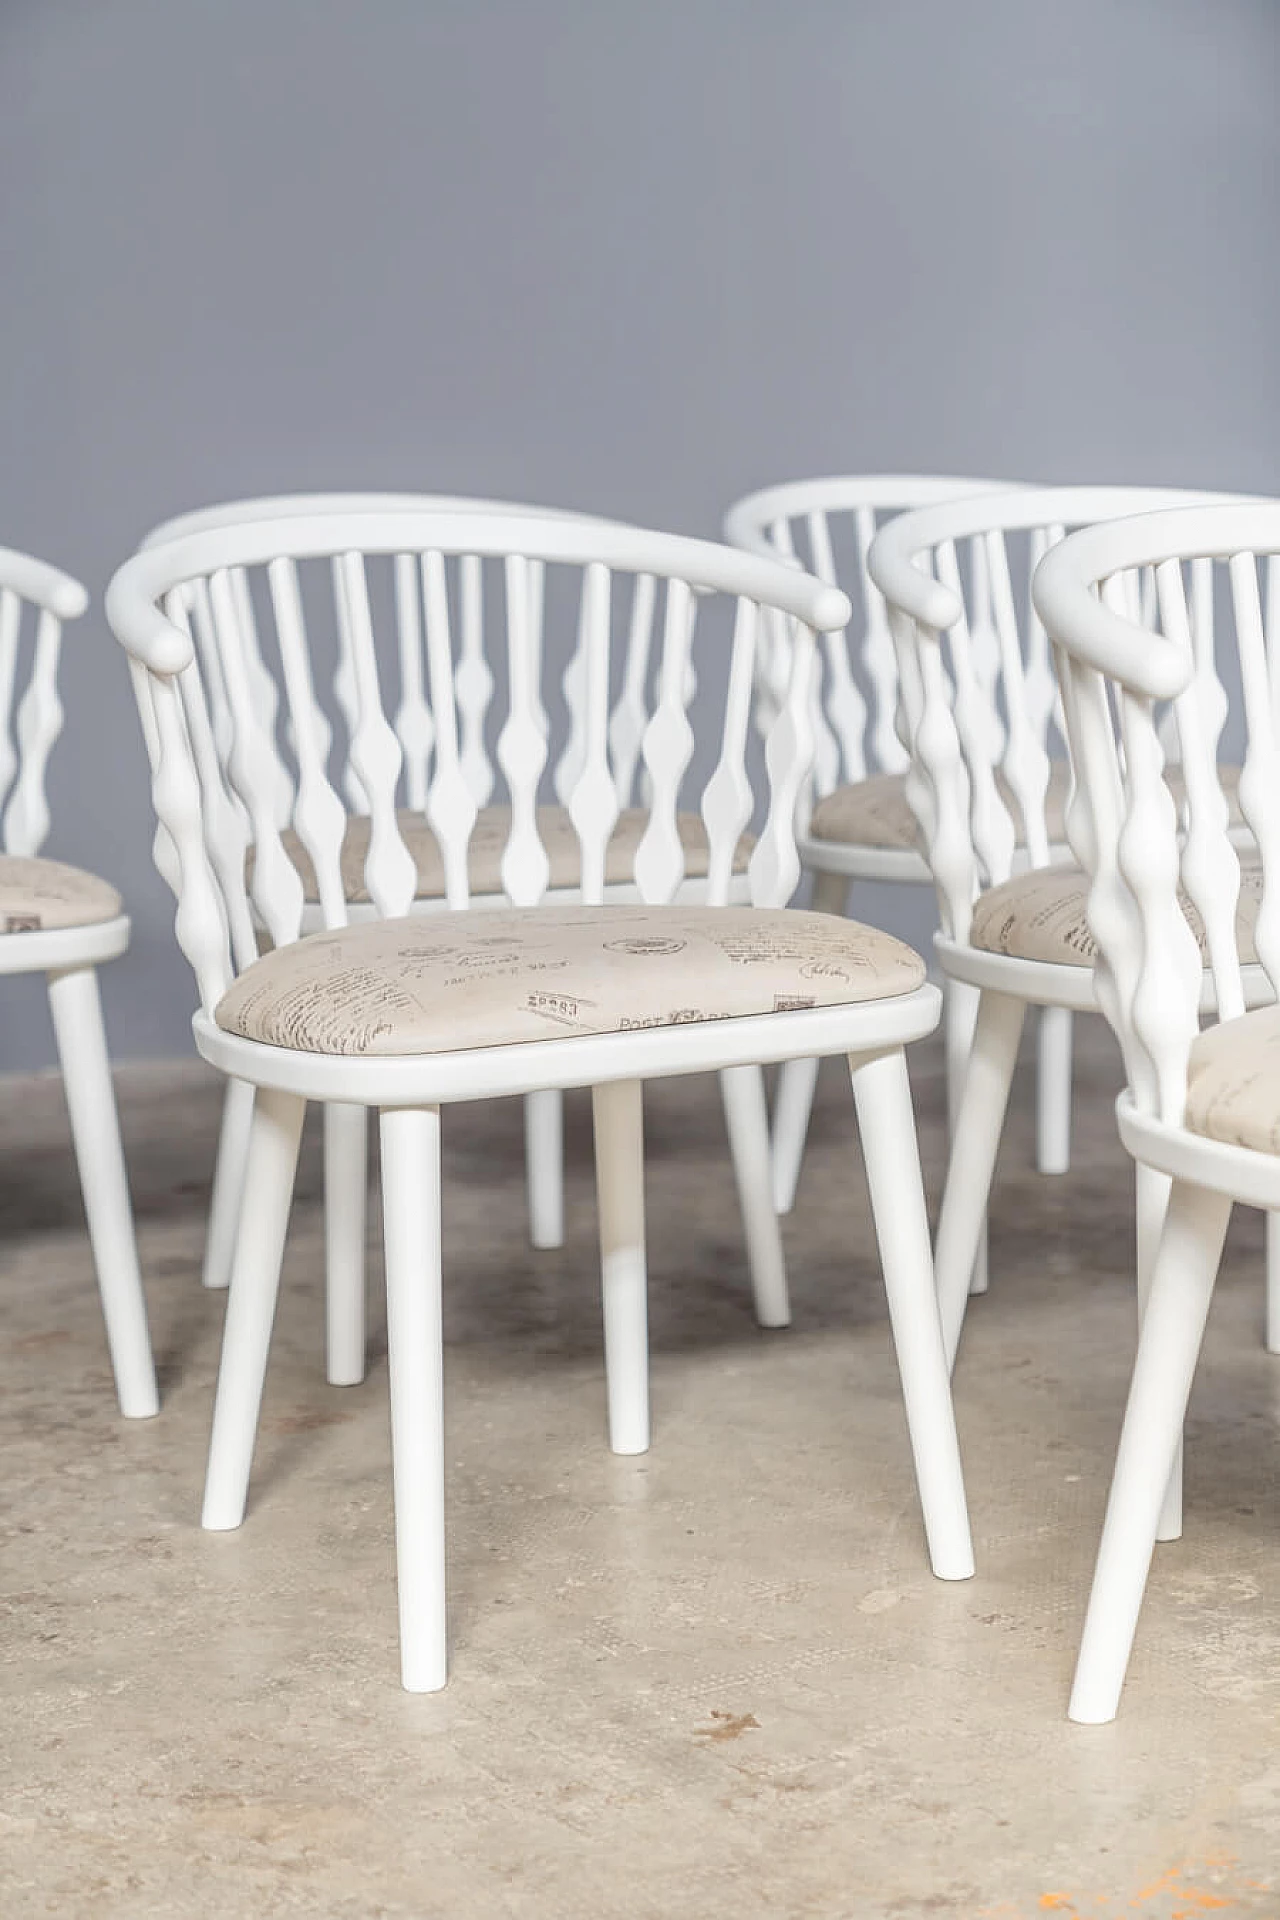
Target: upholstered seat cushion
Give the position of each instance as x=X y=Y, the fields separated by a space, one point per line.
x=435 y=983
x=1042 y=915
x=1233 y=1081
x=875 y=813
x=37 y=896
x=488 y=843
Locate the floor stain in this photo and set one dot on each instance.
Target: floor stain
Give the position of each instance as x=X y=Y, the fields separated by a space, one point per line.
x=1179 y=1893
x=305 y=1422
x=728 y=1726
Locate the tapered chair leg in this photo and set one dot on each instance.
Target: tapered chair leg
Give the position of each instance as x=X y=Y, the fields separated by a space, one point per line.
x=544 y=1165
x=346 y=1191
x=960 y=1003
x=747 y=1121
x=1273 y=1283
x=886 y=1124
x=1053 y=1090
x=95 y=1133
x=974 y=1144
x=415 y=1354
x=960 y=1013
x=228 y=1183
x=617 y=1109
x=798 y=1079
x=1151 y=1204
x=792 y=1110
x=1186 y=1266
x=251 y=1304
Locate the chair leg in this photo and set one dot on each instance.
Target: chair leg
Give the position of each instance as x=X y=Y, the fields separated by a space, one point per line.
x=1151 y=1204
x=1273 y=1283
x=415 y=1353
x=251 y=1304
x=886 y=1123
x=1053 y=1091
x=346 y=1200
x=798 y=1079
x=792 y=1109
x=960 y=1003
x=95 y=1133
x=618 y=1114
x=228 y=1183
x=1186 y=1266
x=544 y=1165
x=974 y=1144
x=747 y=1121
x=960 y=1012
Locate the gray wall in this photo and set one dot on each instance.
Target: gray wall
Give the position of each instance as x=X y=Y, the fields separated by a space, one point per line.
x=633 y=257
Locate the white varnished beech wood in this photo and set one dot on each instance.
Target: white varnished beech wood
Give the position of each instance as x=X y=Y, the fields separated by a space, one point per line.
x=473 y=680
x=228 y=1183
x=592 y=798
x=1121 y=662
x=617 y=1114
x=414 y=724
x=408 y=1091
x=451 y=805
x=855 y=732
x=1168 y=1347
x=319 y=816
x=522 y=746
x=667 y=748
x=980 y=739
x=35 y=602
x=630 y=716
x=727 y=799
x=39 y=722
x=346 y=1185
x=882 y=1095
x=271 y=1163
x=95 y=1131
x=415 y=1357
x=459 y=697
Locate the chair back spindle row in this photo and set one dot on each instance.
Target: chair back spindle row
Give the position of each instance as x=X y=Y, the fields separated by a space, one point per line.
x=206 y=616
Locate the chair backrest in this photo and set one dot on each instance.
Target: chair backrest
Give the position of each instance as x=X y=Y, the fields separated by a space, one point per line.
x=828 y=525
x=1120 y=674
x=202 y=616
x=979 y=697
x=474 y=690
x=35 y=600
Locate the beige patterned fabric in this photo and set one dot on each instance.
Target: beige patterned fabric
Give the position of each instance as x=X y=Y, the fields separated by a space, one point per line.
x=435 y=983
x=875 y=813
x=1042 y=916
x=37 y=896
x=488 y=843
x=1233 y=1081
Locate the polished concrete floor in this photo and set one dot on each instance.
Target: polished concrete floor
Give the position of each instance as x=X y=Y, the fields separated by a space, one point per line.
x=717 y=1680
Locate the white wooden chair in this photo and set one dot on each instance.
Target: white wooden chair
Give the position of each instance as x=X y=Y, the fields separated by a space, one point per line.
x=345 y=1126
x=64 y=922
x=855 y=822
x=406 y=1013
x=991 y=799
x=1201 y=1110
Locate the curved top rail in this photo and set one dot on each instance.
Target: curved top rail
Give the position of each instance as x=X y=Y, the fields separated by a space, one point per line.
x=891 y=561
x=1064 y=583
x=43 y=585
x=745 y=520
x=135 y=588
x=288 y=506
